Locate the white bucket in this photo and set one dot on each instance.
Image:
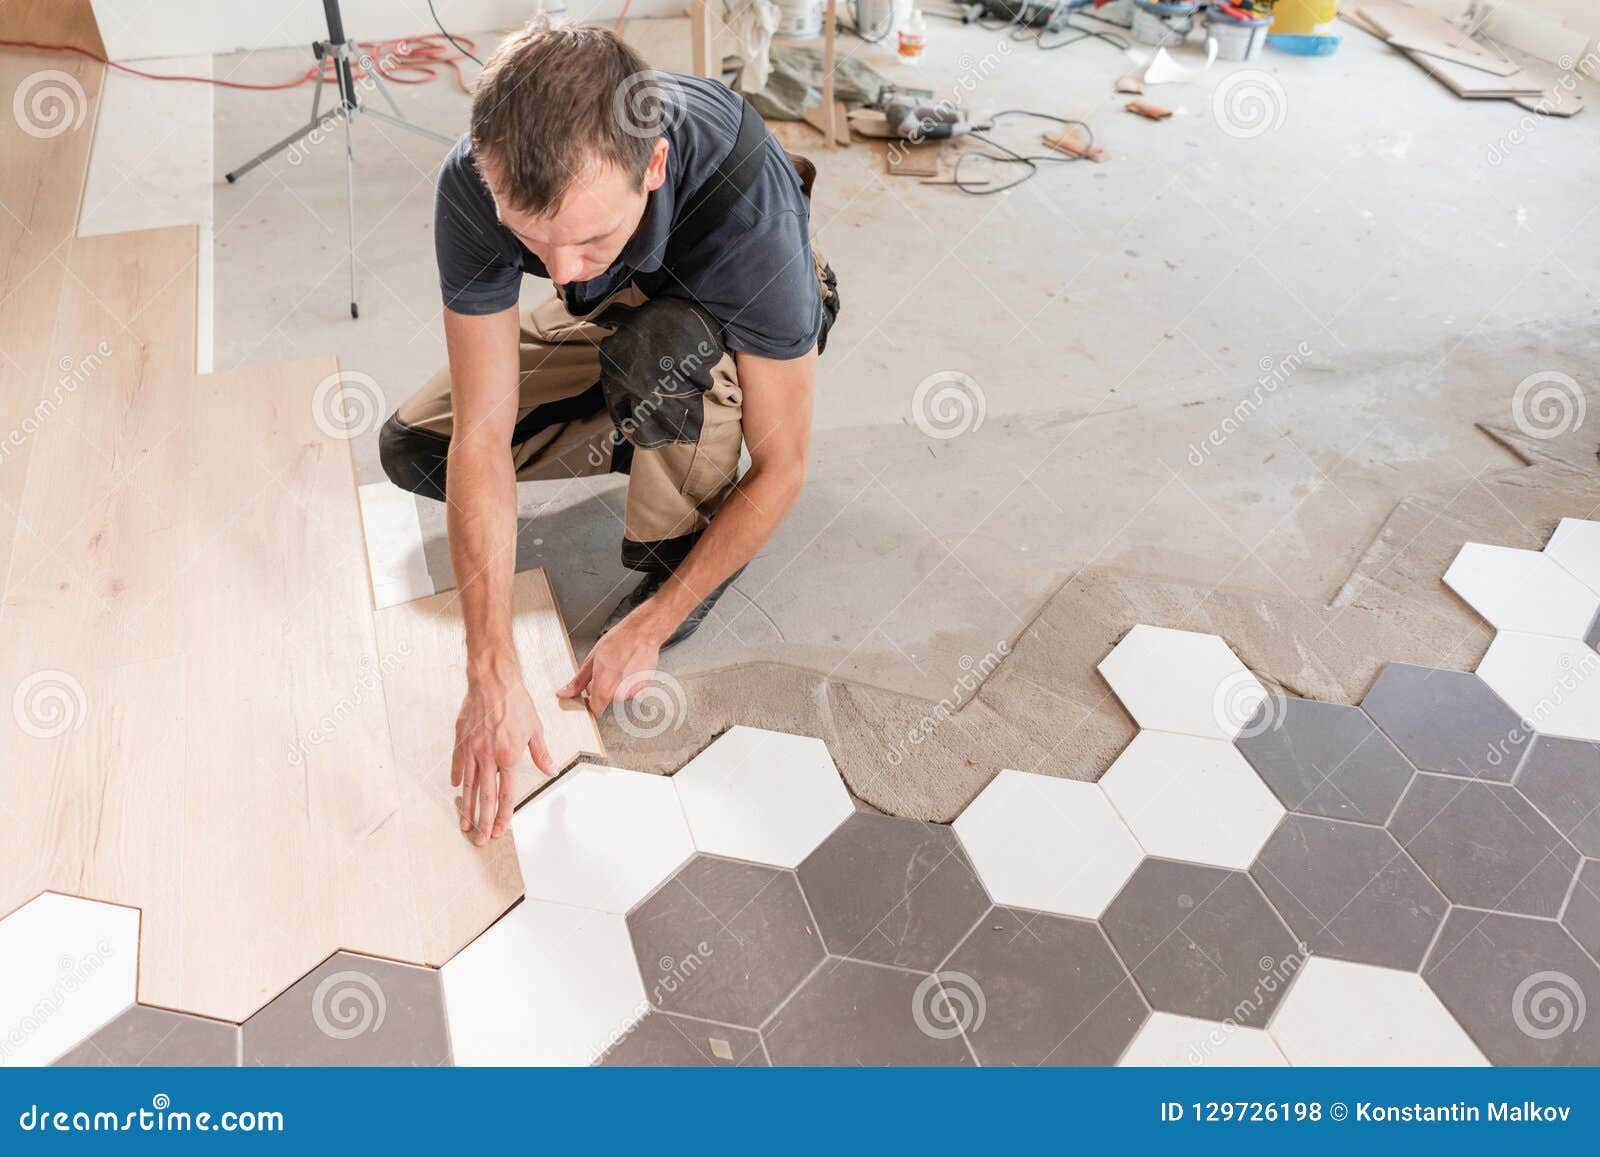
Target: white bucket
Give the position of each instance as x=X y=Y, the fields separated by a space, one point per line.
x=799 y=19
x=1238 y=41
x=1159 y=28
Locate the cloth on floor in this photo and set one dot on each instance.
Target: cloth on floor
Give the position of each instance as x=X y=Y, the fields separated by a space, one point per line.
x=795 y=83
x=750 y=26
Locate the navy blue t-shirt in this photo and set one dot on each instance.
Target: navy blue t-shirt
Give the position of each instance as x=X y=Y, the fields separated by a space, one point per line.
x=753 y=272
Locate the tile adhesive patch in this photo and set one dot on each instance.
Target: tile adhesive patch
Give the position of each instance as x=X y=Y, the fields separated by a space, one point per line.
x=1257 y=880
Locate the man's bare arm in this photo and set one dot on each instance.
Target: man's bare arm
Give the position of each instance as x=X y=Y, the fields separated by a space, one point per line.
x=777 y=428
x=497 y=722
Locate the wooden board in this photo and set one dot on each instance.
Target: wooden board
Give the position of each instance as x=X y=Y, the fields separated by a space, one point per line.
x=41 y=185
x=423 y=651
x=1423 y=31
x=906 y=160
x=54 y=22
x=1386 y=18
x=816 y=117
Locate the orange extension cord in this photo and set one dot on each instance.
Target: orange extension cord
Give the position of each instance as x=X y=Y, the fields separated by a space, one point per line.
x=406 y=60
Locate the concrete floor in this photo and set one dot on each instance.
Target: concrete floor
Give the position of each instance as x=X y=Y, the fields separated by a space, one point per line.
x=1112 y=316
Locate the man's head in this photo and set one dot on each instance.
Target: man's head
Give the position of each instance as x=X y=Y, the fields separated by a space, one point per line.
x=567 y=132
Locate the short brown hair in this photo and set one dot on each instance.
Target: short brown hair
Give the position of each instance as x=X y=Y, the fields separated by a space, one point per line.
x=553 y=102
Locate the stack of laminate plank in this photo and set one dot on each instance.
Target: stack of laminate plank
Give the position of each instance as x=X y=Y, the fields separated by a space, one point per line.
x=1463 y=65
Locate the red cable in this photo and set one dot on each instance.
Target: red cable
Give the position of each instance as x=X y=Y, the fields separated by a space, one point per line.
x=621 y=16
x=404 y=60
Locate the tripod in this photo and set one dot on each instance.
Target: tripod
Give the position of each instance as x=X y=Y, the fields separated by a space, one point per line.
x=342 y=51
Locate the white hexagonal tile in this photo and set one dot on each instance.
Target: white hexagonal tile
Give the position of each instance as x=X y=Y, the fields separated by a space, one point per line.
x=1056 y=845
x=1339 y=1013
x=600 y=837
x=1576 y=546
x=1167 y=1040
x=70 y=965
x=1552 y=684
x=1188 y=798
x=1182 y=681
x=762 y=795
x=546 y=985
x=1522 y=590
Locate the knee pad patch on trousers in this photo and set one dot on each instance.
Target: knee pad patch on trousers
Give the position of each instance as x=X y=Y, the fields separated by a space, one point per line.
x=655 y=369
x=413 y=459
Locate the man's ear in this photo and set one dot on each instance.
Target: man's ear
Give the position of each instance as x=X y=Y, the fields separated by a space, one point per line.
x=655 y=173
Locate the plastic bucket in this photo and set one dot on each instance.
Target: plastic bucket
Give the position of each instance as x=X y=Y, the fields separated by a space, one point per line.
x=1237 y=39
x=1158 y=24
x=799 y=19
x=1304 y=17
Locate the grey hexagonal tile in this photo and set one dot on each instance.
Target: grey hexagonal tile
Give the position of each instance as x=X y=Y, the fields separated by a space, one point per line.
x=1582 y=915
x=1447 y=721
x=1519 y=986
x=724 y=940
x=663 y=1039
x=853 y=1013
x=893 y=891
x=1325 y=759
x=353 y=1010
x=1561 y=777
x=144 y=1037
x=1485 y=845
x=1202 y=941
x=1051 y=989
x=1349 y=891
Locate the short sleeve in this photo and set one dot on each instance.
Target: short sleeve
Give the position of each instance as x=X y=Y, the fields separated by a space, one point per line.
x=479 y=272
x=764 y=289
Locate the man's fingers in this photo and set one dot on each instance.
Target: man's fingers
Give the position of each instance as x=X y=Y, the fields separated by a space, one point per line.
x=600 y=695
x=579 y=681
x=463 y=770
x=502 y=817
x=541 y=753
x=488 y=787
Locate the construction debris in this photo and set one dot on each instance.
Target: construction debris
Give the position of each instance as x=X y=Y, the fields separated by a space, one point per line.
x=1152 y=111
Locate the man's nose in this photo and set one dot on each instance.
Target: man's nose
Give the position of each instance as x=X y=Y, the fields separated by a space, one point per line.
x=564 y=266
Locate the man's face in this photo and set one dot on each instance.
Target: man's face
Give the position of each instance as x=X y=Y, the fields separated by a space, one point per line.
x=586 y=232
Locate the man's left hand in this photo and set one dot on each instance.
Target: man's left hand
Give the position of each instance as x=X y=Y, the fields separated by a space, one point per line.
x=621 y=664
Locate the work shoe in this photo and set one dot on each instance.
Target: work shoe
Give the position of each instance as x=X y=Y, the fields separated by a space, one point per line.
x=653 y=582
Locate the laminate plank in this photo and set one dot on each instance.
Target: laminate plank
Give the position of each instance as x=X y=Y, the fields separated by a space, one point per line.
x=459 y=888
x=41 y=185
x=54 y=22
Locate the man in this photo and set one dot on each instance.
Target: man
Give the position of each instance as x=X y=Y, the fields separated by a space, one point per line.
x=688 y=315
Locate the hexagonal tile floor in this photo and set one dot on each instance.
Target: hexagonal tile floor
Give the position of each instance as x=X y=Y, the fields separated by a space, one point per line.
x=1257 y=880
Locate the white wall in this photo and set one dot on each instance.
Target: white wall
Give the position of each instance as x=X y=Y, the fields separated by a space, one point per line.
x=133 y=29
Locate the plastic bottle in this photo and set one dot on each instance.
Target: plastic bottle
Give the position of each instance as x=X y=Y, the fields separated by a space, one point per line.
x=913 y=38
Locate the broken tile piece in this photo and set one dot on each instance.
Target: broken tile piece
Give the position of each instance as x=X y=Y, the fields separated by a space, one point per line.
x=1449 y=721
x=1325 y=759
x=895 y=891
x=1192 y=799
x=600 y=837
x=1339 y=1013
x=1182 y=681
x=762 y=795
x=70 y=966
x=1522 y=590
x=1549 y=682
x=1169 y=1040
x=1056 y=845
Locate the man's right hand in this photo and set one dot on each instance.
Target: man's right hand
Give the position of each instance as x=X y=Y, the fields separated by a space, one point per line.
x=497 y=724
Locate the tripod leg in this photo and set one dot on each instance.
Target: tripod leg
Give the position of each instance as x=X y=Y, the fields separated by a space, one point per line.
x=350 y=203
x=316 y=122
